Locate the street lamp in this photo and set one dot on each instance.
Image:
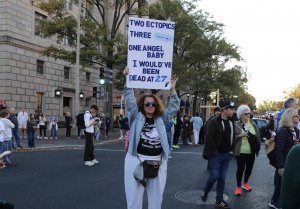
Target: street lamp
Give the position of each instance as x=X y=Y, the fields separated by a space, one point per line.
x=57 y=92
x=81 y=95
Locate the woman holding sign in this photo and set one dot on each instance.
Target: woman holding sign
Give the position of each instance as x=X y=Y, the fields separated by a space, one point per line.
x=146 y=159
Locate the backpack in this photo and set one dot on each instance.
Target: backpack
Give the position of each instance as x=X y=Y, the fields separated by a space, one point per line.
x=80 y=120
x=270 y=151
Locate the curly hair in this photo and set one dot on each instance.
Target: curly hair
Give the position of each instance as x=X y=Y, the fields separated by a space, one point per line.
x=159 y=109
x=241 y=110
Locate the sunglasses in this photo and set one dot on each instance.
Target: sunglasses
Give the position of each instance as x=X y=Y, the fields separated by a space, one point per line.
x=148 y=104
x=247 y=113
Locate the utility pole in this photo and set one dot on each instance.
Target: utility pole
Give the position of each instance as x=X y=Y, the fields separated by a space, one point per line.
x=77 y=67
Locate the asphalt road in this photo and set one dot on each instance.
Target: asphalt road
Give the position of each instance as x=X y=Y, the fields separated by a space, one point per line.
x=59 y=180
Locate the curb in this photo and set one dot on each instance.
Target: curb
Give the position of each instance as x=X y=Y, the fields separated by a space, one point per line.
x=64 y=147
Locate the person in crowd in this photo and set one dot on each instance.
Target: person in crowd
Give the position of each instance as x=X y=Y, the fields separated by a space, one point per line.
x=97 y=128
x=290 y=185
x=270 y=127
x=202 y=131
x=43 y=126
x=168 y=127
x=108 y=124
x=80 y=124
x=37 y=130
x=245 y=156
x=185 y=135
x=289 y=103
x=217 y=149
x=7 y=134
x=69 y=123
x=177 y=130
x=197 y=124
x=120 y=121
x=103 y=126
x=147 y=141
x=22 y=120
x=90 y=123
x=287 y=136
x=15 y=131
x=31 y=129
x=53 y=126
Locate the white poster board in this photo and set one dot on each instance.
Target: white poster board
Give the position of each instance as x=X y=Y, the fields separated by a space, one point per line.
x=150 y=52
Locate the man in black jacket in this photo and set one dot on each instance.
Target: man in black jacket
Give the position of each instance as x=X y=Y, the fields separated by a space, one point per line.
x=15 y=131
x=218 y=150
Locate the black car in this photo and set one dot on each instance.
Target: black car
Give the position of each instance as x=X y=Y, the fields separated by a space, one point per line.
x=262 y=125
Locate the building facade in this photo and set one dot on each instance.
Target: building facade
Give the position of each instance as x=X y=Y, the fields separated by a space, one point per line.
x=27 y=78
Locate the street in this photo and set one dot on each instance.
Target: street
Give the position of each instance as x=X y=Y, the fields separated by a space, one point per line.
x=58 y=179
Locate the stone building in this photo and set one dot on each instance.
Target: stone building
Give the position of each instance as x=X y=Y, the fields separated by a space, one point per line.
x=28 y=79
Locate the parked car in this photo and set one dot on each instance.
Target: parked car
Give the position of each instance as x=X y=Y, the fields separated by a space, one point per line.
x=262 y=125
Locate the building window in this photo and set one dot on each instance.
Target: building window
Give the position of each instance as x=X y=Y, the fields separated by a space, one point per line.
x=65 y=40
x=38 y=18
x=68 y=4
x=40 y=66
x=88 y=77
x=67 y=73
x=39 y=102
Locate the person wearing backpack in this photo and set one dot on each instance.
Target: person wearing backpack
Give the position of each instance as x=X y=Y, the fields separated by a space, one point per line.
x=287 y=136
x=79 y=123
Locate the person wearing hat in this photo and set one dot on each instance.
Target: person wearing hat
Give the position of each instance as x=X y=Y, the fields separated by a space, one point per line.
x=218 y=151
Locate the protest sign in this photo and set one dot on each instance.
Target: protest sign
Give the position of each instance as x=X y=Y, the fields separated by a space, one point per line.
x=150 y=52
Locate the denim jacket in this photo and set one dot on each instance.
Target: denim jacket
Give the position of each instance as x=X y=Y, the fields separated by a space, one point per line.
x=137 y=121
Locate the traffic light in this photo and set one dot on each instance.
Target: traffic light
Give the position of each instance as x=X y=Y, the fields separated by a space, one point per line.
x=102 y=76
x=95 y=91
x=109 y=75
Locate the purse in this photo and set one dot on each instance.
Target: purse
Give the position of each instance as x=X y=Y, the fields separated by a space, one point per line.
x=151 y=168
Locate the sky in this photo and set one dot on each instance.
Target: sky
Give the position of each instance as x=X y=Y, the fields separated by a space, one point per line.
x=268 y=35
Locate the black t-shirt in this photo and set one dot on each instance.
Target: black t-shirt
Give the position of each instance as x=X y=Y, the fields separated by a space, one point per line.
x=226 y=144
x=149 y=144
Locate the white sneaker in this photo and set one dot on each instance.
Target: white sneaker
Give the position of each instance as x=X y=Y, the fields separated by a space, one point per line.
x=55 y=137
x=45 y=137
x=120 y=137
x=37 y=137
x=95 y=161
x=89 y=163
x=51 y=138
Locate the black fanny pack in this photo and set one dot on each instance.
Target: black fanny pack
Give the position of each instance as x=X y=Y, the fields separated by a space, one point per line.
x=151 y=168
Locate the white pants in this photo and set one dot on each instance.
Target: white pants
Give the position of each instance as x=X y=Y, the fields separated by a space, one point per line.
x=196 y=135
x=135 y=191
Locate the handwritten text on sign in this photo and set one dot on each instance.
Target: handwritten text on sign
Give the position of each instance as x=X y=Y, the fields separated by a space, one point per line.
x=150 y=50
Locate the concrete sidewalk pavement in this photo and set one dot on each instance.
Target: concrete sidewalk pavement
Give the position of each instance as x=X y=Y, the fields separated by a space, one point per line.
x=67 y=143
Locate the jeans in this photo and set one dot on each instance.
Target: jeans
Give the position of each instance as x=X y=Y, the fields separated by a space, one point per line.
x=15 y=133
x=53 y=131
x=218 y=166
x=277 y=188
x=4 y=147
x=31 y=136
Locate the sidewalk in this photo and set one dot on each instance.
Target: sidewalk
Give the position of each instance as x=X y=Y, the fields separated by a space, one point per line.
x=63 y=143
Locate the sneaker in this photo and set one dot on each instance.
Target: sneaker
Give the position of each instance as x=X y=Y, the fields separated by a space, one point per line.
x=120 y=137
x=222 y=204
x=45 y=137
x=274 y=205
x=37 y=137
x=89 y=163
x=169 y=156
x=95 y=161
x=175 y=146
x=246 y=187
x=204 y=196
x=238 y=191
x=51 y=138
x=55 y=137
